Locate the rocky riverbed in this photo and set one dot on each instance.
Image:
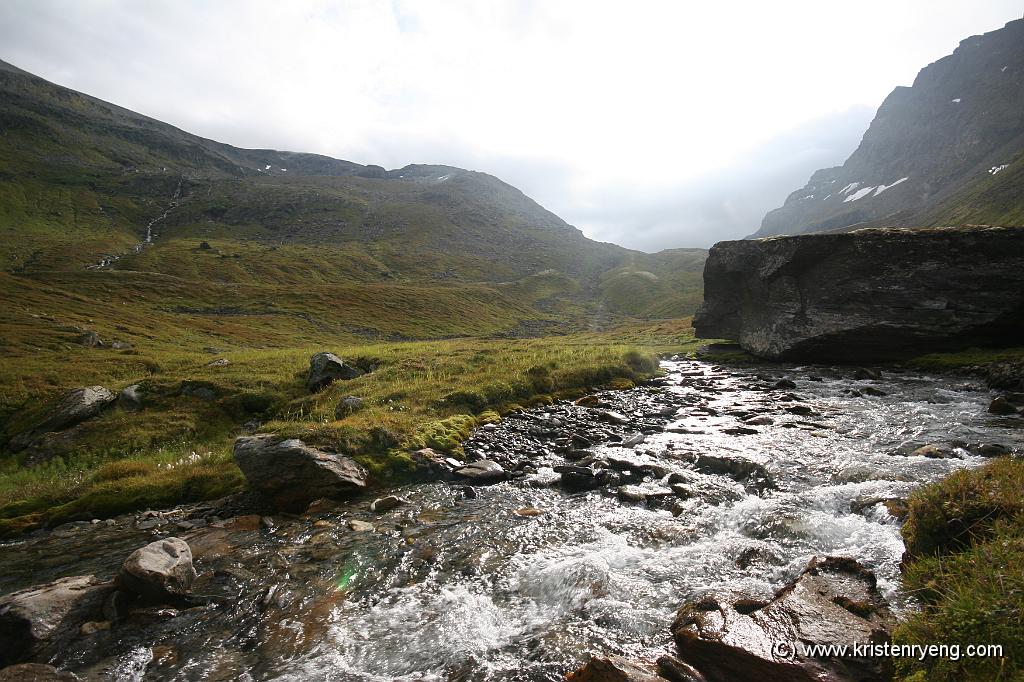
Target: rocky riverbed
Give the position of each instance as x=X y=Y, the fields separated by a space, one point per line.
x=598 y=521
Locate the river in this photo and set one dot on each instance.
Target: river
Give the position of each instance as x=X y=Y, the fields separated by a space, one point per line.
x=523 y=580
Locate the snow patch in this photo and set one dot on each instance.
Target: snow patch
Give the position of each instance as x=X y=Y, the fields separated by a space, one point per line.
x=284 y=170
x=826 y=197
x=809 y=196
x=859 y=194
x=956 y=101
x=1003 y=69
x=995 y=169
x=267 y=167
x=882 y=188
x=443 y=178
x=849 y=188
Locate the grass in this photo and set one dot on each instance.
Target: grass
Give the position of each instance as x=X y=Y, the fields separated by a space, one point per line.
x=965 y=564
x=428 y=393
x=966 y=359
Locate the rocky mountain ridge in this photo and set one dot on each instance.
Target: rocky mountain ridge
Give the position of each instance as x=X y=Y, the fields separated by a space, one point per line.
x=949 y=150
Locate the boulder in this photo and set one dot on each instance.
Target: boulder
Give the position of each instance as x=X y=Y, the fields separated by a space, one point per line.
x=158 y=572
x=347 y=406
x=36 y=672
x=482 y=472
x=1001 y=406
x=39 y=621
x=578 y=478
x=291 y=474
x=74 y=407
x=433 y=465
x=386 y=503
x=933 y=451
x=90 y=339
x=326 y=368
x=872 y=294
x=834 y=601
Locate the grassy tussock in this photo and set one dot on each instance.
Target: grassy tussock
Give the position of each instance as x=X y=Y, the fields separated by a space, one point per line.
x=965 y=540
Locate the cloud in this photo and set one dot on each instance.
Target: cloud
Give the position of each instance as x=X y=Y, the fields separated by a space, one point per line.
x=629 y=120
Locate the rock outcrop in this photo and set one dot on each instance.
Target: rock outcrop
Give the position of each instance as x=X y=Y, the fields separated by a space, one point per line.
x=835 y=601
x=878 y=294
x=74 y=407
x=291 y=474
x=37 y=622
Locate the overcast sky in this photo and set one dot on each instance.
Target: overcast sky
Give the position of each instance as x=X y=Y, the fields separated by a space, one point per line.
x=649 y=124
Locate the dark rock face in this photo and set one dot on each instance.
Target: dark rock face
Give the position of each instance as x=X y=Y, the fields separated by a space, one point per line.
x=37 y=622
x=160 y=571
x=326 y=368
x=834 y=601
x=291 y=474
x=868 y=295
x=943 y=152
x=74 y=407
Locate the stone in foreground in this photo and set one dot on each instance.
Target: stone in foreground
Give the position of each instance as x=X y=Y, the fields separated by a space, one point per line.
x=834 y=601
x=38 y=622
x=326 y=368
x=158 y=572
x=874 y=294
x=291 y=474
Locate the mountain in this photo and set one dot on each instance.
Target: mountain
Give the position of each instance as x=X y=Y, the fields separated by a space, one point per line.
x=92 y=193
x=947 y=151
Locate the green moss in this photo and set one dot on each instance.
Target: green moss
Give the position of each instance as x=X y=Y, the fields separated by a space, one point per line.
x=446 y=435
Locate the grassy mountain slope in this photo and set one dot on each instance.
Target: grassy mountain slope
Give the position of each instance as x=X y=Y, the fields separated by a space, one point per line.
x=84 y=179
x=175 y=251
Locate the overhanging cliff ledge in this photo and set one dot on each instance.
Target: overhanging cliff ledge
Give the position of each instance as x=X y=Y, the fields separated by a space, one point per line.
x=872 y=294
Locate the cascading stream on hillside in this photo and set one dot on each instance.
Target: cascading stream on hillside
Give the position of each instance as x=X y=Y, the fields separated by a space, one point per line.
x=453 y=586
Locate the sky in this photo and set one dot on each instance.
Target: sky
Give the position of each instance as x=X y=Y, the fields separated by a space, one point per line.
x=648 y=124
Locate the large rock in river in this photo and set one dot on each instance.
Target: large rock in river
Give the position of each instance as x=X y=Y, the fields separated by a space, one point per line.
x=160 y=571
x=875 y=294
x=835 y=601
x=292 y=474
x=39 y=621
